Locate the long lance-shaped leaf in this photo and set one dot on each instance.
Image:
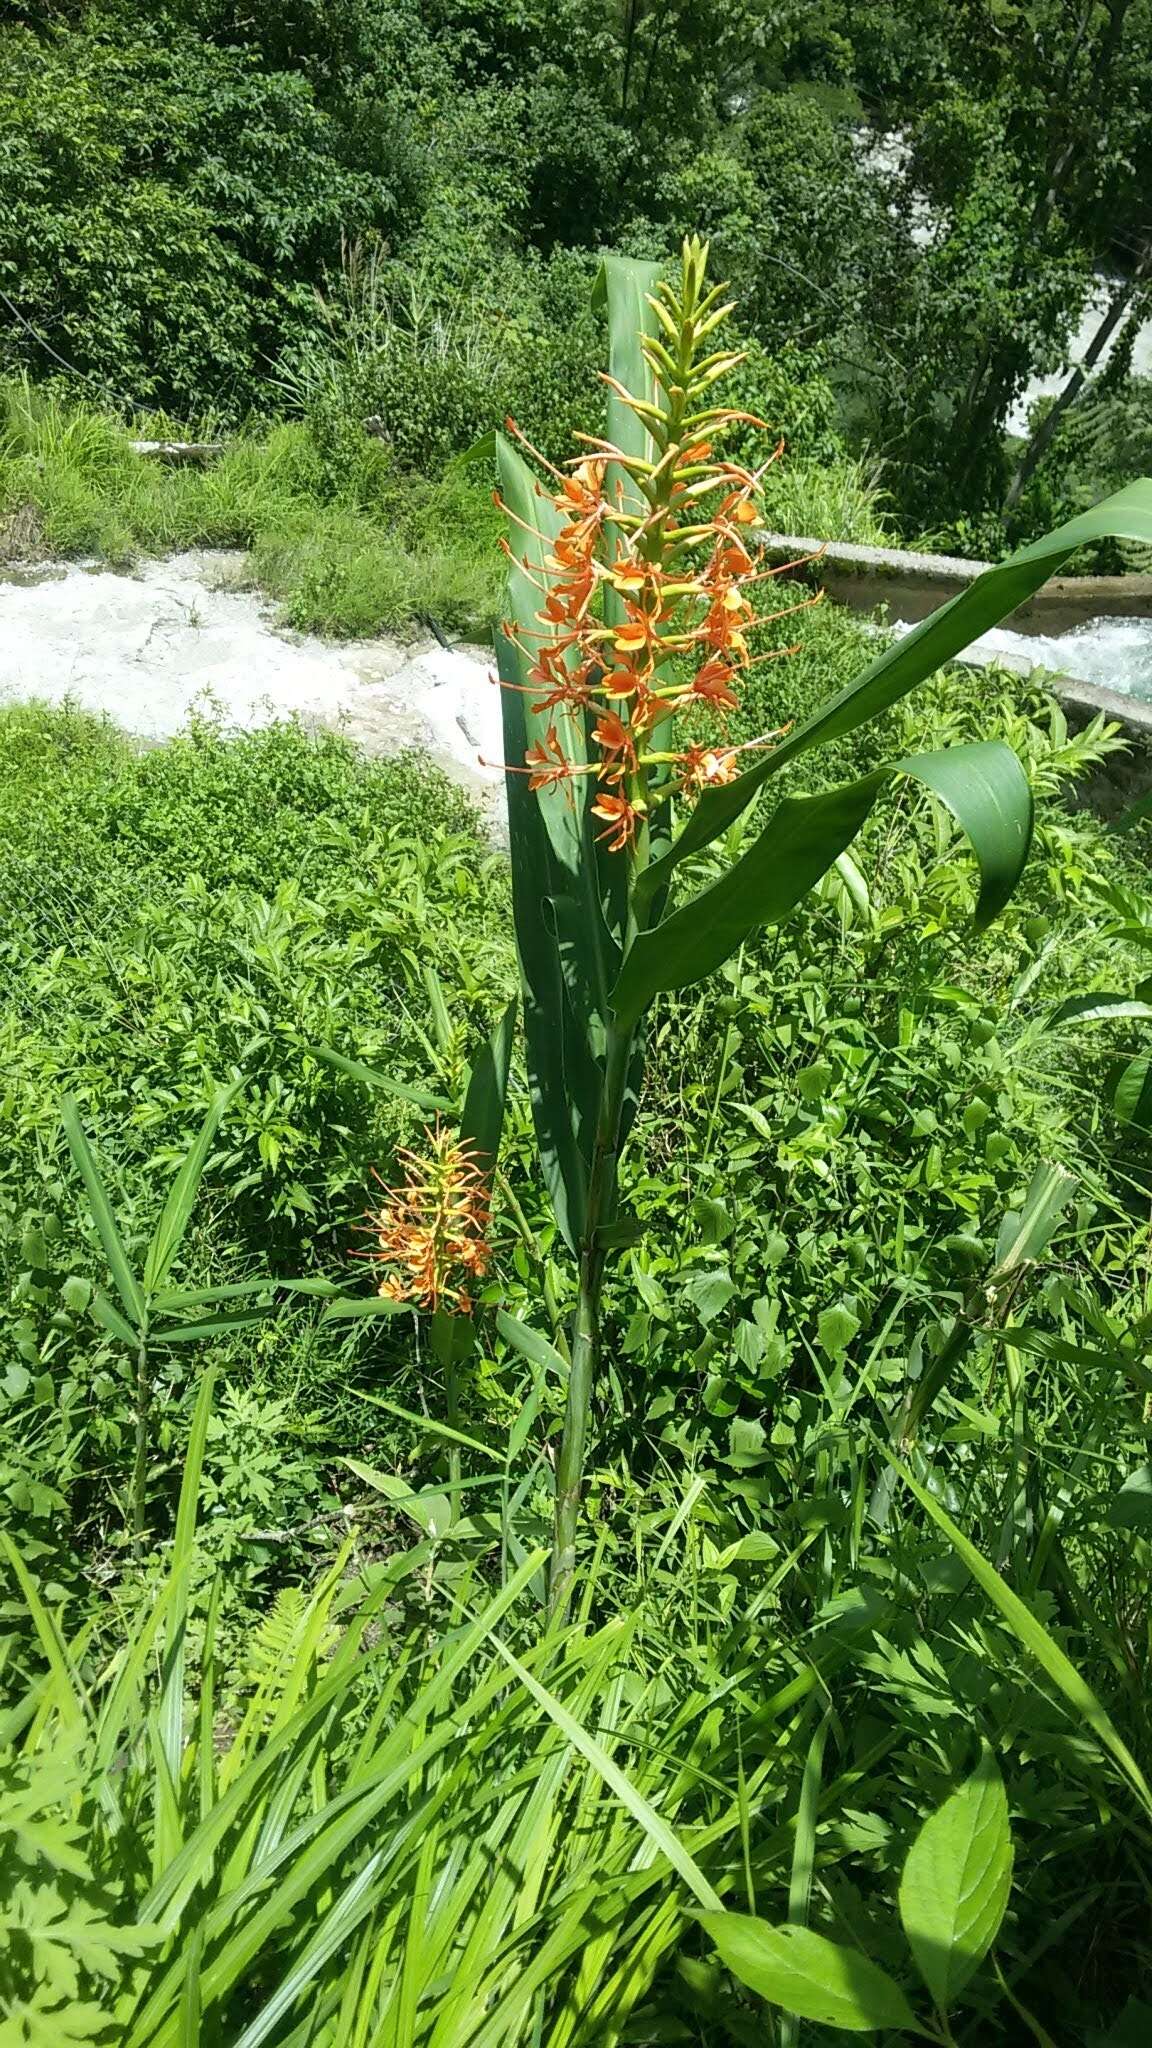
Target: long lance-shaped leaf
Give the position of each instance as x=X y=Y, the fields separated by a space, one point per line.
x=655 y=1827
x=623 y=287
x=127 y=1285
x=1127 y=515
x=372 y=1077
x=1087 y=1709
x=482 y=1117
x=1023 y=1237
x=182 y=1195
x=1098 y=1007
x=983 y=786
x=546 y=839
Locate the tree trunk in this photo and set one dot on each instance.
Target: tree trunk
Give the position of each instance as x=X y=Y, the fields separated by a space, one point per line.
x=1042 y=437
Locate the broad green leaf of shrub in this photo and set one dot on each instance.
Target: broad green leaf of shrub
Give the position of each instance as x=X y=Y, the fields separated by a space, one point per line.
x=837 y=1327
x=1132 y=1093
x=1132 y=1506
x=806 y=1974
x=956 y=1882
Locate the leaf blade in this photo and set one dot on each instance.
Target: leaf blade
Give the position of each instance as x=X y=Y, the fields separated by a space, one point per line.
x=1126 y=515
x=982 y=784
x=804 y=1973
x=127 y=1285
x=956 y=1882
x=482 y=1117
x=182 y=1195
x=1034 y=1637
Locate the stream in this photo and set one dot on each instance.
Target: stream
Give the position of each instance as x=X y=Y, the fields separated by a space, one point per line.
x=156 y=644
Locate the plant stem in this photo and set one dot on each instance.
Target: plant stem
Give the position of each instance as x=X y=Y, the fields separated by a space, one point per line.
x=602 y=1185
x=140 y=1462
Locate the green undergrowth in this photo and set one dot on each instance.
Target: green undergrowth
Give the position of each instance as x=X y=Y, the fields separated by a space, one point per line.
x=829 y=1141
x=348 y=544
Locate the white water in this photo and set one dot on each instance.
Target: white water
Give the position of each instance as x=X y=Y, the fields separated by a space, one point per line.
x=1114 y=654
x=153 y=646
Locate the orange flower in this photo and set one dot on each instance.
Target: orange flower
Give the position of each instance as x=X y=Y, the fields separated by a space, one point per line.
x=564 y=688
x=547 y=762
x=712 y=685
x=433 y=1227
x=707 y=767
x=610 y=733
x=638 y=634
x=622 y=817
x=621 y=682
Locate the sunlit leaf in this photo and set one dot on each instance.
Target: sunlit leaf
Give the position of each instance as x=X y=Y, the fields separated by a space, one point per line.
x=956 y=1880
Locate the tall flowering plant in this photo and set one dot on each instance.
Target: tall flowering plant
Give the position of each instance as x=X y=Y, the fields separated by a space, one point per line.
x=632 y=625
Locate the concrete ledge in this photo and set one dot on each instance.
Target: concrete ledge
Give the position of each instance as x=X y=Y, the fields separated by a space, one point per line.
x=912 y=584
x=1116 y=782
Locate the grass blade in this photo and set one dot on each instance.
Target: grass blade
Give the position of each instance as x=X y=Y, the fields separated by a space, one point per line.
x=182 y=1195
x=127 y=1285
x=645 y=1815
x=1034 y=1637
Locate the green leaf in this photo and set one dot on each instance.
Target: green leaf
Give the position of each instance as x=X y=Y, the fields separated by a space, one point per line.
x=1097 y=1008
x=1034 y=1637
x=956 y=1880
x=530 y=1344
x=836 y=1327
x=429 y=1510
x=983 y=786
x=173 y=1299
x=657 y=1829
x=1024 y=1234
x=211 y=1326
x=1127 y=515
x=109 y=1317
x=622 y=288
x=172 y=1700
x=185 y=1187
x=551 y=885
x=817 y=1979
x=1132 y=1506
x=1132 y=1093
x=482 y=1118
x=356 y=1307
x=437 y=1005
x=429 y=1427
x=373 y=1078
x=990 y=797
x=127 y=1285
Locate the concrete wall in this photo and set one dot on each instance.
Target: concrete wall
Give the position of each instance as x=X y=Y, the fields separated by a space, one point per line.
x=910 y=585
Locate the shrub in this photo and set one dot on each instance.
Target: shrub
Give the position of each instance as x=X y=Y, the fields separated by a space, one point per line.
x=168 y=203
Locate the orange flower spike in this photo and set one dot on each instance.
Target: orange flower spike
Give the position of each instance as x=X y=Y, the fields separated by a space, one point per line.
x=433 y=1225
